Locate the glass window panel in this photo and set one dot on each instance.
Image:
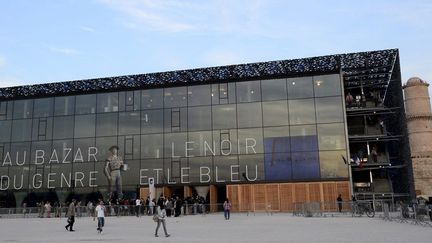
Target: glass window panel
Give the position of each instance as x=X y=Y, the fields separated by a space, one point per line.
x=225 y=142
x=152 y=121
x=151 y=168
x=199 y=118
x=84 y=126
x=152 y=146
x=175 y=97
x=305 y=165
x=327 y=85
x=301 y=111
x=200 y=144
x=329 y=110
x=131 y=146
x=85 y=104
x=274 y=89
x=301 y=87
x=107 y=102
x=106 y=124
x=248 y=91
x=194 y=173
x=63 y=178
x=130 y=100
x=82 y=148
x=23 y=109
x=63 y=150
x=278 y=166
x=21 y=130
x=275 y=113
x=251 y=167
x=222 y=168
x=276 y=140
x=332 y=165
x=130 y=177
x=63 y=127
x=5 y=131
x=101 y=179
x=20 y=153
x=224 y=116
x=174 y=145
x=250 y=141
x=152 y=98
x=331 y=136
x=172 y=169
x=129 y=123
x=199 y=95
x=42 y=150
x=85 y=168
x=175 y=119
x=42 y=128
x=304 y=138
x=19 y=177
x=249 y=115
x=64 y=105
x=43 y=107
x=102 y=145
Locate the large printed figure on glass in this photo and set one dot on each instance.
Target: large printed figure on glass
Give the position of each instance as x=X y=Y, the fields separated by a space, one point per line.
x=113 y=167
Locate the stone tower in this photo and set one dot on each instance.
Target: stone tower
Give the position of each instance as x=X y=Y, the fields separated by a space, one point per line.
x=419 y=120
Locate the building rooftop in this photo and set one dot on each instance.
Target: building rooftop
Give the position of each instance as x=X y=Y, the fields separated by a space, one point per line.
x=368 y=68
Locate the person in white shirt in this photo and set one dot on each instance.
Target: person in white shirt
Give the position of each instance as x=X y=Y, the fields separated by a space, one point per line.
x=100 y=211
x=137 y=207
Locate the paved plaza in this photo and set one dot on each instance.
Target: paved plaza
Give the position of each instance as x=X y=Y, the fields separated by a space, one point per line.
x=260 y=228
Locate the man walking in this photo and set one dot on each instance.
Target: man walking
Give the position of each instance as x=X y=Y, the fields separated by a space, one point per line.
x=71 y=216
x=100 y=211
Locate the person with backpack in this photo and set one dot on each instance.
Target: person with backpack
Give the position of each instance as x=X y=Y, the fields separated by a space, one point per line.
x=160 y=217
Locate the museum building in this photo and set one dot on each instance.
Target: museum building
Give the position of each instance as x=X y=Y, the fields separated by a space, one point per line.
x=267 y=135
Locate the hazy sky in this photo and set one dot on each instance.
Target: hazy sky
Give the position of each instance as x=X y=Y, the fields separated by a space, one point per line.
x=51 y=41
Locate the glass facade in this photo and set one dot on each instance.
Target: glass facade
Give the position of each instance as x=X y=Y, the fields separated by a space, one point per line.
x=249 y=131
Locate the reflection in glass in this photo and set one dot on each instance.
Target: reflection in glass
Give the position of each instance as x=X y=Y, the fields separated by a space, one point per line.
x=152 y=98
x=85 y=104
x=175 y=97
x=302 y=111
x=199 y=118
x=304 y=138
x=224 y=116
x=305 y=165
x=129 y=123
x=332 y=165
x=107 y=102
x=152 y=121
x=275 y=113
x=249 y=115
x=251 y=167
x=63 y=127
x=152 y=146
x=84 y=126
x=331 y=136
x=274 y=89
x=248 y=91
x=22 y=109
x=106 y=124
x=64 y=106
x=250 y=141
x=301 y=87
x=329 y=109
x=199 y=95
x=43 y=107
x=327 y=85
x=5 y=131
x=21 y=130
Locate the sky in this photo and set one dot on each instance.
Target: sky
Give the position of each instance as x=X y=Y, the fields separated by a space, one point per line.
x=52 y=41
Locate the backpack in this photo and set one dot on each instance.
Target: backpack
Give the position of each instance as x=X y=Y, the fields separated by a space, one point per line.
x=155 y=218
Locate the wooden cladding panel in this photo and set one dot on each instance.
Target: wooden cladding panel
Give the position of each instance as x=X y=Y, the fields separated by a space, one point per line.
x=286 y=197
x=282 y=196
x=144 y=192
x=213 y=198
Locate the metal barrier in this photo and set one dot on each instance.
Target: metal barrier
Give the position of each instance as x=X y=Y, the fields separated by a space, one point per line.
x=413 y=214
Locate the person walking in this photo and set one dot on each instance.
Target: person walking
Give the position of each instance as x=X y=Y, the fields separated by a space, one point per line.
x=339 y=202
x=161 y=218
x=48 y=209
x=71 y=216
x=227 y=208
x=137 y=207
x=100 y=211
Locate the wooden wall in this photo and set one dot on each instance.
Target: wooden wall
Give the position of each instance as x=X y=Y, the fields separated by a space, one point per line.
x=283 y=196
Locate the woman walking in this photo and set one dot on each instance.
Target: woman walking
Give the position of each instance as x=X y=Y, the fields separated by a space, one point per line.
x=227 y=208
x=160 y=218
